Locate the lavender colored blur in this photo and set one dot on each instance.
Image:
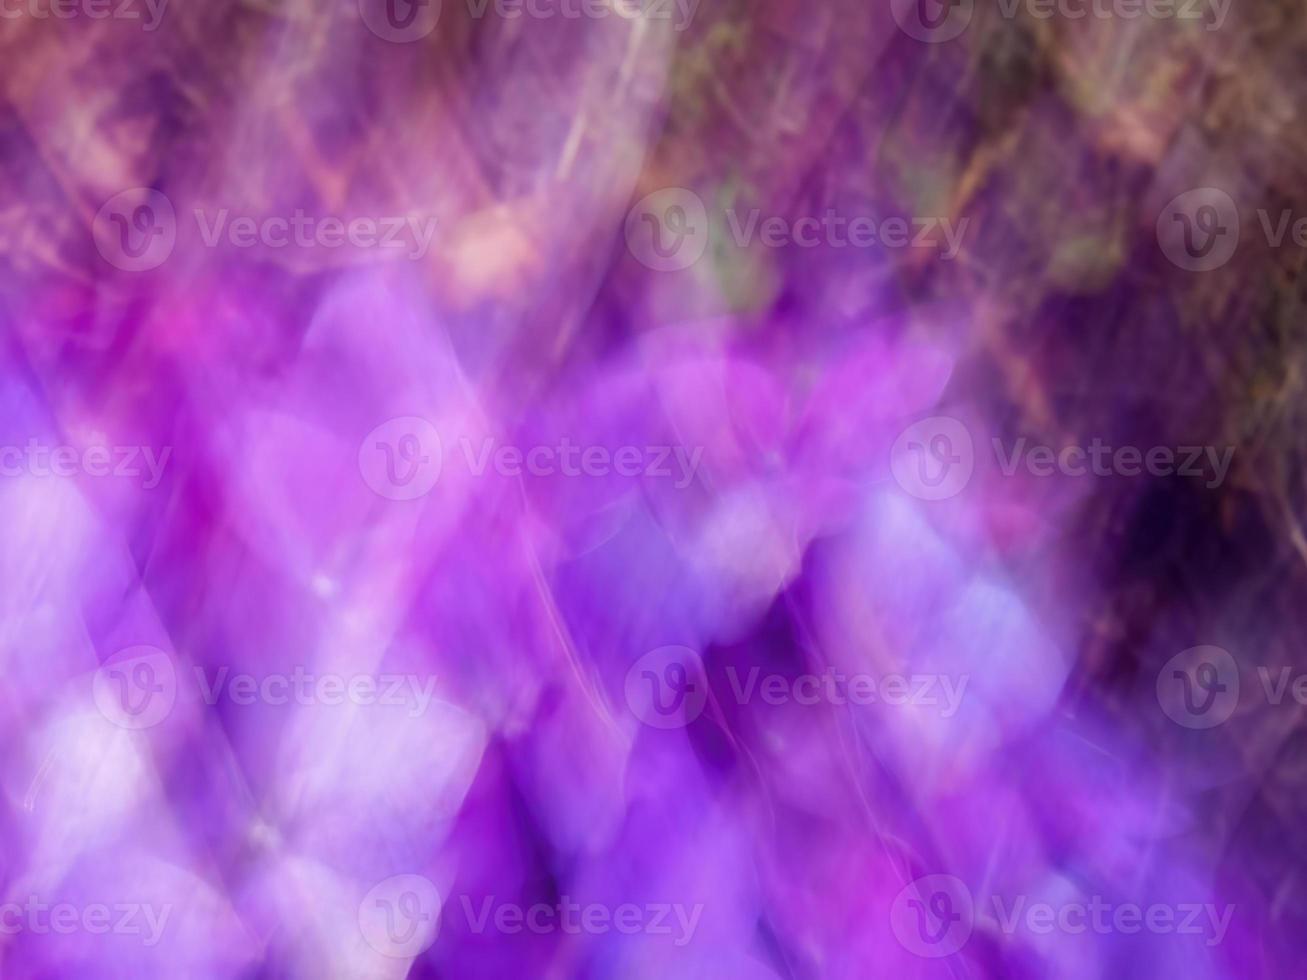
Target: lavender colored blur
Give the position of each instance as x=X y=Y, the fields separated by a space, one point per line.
x=652 y=489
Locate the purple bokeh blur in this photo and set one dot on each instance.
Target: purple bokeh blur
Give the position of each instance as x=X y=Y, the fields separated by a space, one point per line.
x=624 y=488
